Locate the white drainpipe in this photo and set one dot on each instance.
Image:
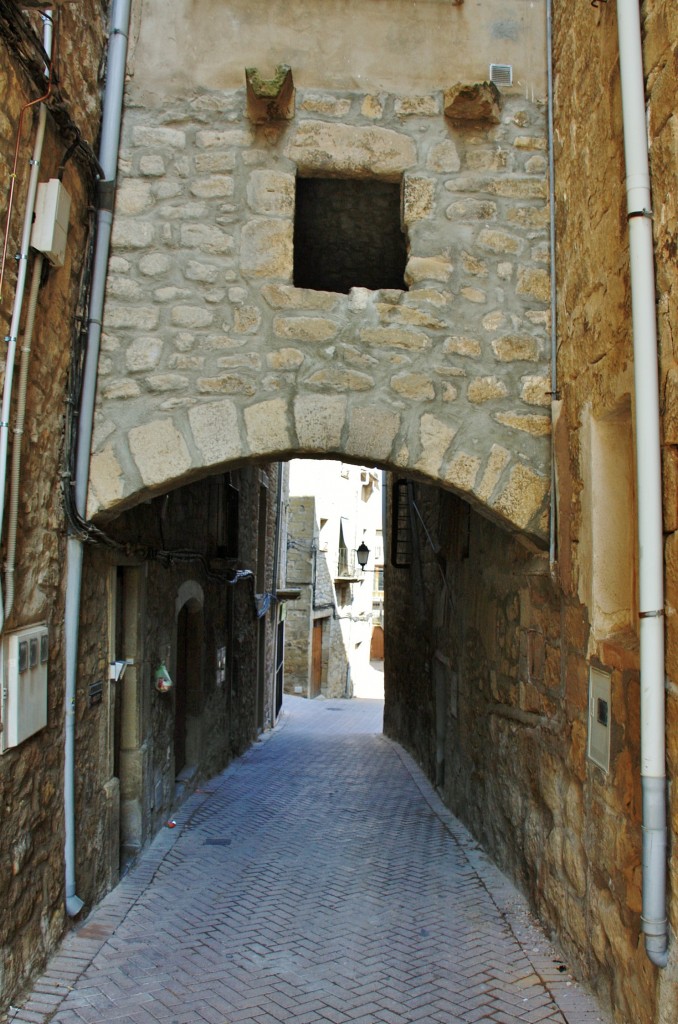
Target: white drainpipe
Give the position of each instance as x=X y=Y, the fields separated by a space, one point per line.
x=108 y=158
x=648 y=468
x=22 y=273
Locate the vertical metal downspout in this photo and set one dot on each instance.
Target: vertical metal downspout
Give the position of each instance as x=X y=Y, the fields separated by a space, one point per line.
x=648 y=469
x=108 y=158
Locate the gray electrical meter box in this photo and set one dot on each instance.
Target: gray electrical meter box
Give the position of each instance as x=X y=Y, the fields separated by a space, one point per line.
x=24 y=685
x=50 y=228
x=600 y=717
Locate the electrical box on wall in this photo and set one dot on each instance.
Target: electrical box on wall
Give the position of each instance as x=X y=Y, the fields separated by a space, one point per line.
x=50 y=228
x=24 y=685
x=600 y=717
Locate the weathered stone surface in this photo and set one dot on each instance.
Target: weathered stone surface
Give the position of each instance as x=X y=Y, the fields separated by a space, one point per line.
x=159 y=451
x=208 y=239
x=462 y=470
x=395 y=337
x=226 y=384
x=428 y=268
x=281 y=296
x=481 y=101
x=371 y=432
x=535 y=283
x=443 y=157
x=355 y=152
x=284 y=359
x=435 y=437
x=460 y=346
x=214 y=428
x=522 y=497
x=271 y=192
x=106 y=478
x=418 y=197
x=304 y=328
x=266 y=249
x=338 y=379
x=485 y=389
x=417 y=106
x=267 y=427
x=539 y=426
x=516 y=347
x=416 y=386
x=496 y=464
x=319 y=421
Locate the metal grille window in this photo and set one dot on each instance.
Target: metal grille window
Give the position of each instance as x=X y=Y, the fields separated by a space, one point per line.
x=401 y=527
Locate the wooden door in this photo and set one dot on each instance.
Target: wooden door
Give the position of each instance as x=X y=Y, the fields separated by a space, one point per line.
x=317 y=657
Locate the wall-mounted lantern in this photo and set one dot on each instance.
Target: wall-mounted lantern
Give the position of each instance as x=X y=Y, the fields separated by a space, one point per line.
x=362 y=554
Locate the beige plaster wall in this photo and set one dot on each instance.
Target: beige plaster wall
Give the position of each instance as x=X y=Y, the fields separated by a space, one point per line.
x=391 y=45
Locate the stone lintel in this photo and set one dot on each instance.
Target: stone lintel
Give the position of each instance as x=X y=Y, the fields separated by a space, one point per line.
x=479 y=102
x=270 y=99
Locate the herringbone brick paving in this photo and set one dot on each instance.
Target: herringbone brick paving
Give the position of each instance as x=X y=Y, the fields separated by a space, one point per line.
x=318 y=879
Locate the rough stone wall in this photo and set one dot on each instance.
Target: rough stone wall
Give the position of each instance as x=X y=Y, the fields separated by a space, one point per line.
x=31 y=838
x=491 y=693
x=510 y=650
x=224 y=712
x=211 y=356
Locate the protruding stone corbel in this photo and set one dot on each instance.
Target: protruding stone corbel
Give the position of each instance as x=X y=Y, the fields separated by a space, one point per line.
x=270 y=99
x=479 y=102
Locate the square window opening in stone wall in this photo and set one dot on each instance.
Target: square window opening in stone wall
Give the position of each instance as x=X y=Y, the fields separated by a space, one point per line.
x=348 y=234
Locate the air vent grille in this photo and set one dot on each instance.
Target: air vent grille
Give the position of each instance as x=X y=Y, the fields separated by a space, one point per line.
x=501 y=74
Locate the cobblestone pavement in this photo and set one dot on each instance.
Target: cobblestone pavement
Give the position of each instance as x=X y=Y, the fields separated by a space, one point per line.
x=318 y=879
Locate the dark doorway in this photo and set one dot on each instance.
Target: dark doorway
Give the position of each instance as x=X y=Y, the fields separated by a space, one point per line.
x=187 y=687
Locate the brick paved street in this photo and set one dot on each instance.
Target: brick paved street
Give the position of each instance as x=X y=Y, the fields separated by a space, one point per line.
x=318 y=879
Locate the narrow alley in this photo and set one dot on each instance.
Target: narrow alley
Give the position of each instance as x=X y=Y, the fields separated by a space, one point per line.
x=318 y=878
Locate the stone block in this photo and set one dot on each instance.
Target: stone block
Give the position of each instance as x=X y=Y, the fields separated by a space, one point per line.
x=435 y=437
x=417 y=106
x=497 y=462
x=462 y=471
x=485 y=389
x=462 y=346
x=284 y=359
x=215 y=186
x=305 y=328
x=227 y=139
x=130 y=233
x=155 y=264
x=319 y=421
x=243 y=360
x=336 y=378
x=267 y=425
x=536 y=390
x=270 y=99
x=281 y=296
x=142 y=318
x=428 y=268
x=476 y=295
x=418 y=198
x=327 y=105
x=266 y=248
x=143 y=354
x=207 y=238
x=522 y=498
x=481 y=101
x=535 y=283
x=538 y=426
x=271 y=192
x=158 y=138
x=226 y=384
x=372 y=432
x=106 y=480
x=414 y=386
x=408 y=316
x=471 y=209
x=395 y=337
x=670 y=487
x=166 y=382
x=516 y=347
x=214 y=427
x=443 y=158
x=500 y=242
x=246 y=319
x=369 y=152
x=159 y=452
x=133 y=197
x=214 y=162
x=473 y=265
x=191 y=316
x=372 y=107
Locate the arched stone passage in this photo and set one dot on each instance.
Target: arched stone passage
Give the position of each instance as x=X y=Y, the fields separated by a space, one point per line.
x=213 y=355
x=168 y=451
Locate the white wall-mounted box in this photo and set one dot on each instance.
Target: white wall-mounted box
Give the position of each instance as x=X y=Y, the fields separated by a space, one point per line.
x=50 y=228
x=600 y=717
x=25 y=655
